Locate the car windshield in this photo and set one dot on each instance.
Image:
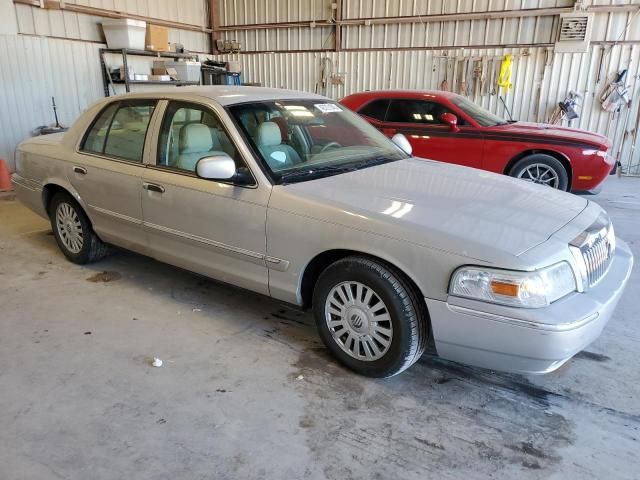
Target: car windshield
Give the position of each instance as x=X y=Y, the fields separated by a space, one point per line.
x=301 y=140
x=482 y=116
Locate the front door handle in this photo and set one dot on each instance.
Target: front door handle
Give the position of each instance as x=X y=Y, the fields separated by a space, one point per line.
x=153 y=187
x=80 y=170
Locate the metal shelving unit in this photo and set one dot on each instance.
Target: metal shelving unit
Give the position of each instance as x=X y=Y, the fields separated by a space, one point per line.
x=142 y=53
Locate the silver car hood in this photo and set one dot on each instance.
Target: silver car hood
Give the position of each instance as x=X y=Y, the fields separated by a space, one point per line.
x=461 y=210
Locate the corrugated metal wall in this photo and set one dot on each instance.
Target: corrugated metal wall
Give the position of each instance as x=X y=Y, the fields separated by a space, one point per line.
x=34 y=69
x=78 y=26
x=541 y=78
x=35 y=66
x=381 y=56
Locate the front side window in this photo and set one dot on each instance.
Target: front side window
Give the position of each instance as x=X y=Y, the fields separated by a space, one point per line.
x=416 y=111
x=191 y=132
x=120 y=130
x=299 y=140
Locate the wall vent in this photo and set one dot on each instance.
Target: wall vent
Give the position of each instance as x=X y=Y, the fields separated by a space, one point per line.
x=575 y=32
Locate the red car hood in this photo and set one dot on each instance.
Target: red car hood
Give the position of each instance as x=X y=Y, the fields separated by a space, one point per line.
x=556 y=132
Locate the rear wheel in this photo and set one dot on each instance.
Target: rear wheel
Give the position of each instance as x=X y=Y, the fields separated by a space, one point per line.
x=369 y=317
x=542 y=169
x=73 y=232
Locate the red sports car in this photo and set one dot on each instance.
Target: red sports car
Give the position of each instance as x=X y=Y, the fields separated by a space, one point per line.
x=450 y=128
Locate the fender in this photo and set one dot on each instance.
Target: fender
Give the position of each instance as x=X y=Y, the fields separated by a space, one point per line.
x=66 y=185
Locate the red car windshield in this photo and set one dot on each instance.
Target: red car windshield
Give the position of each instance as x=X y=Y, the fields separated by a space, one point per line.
x=483 y=117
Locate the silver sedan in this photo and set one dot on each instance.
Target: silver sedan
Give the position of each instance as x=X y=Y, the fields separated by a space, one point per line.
x=290 y=195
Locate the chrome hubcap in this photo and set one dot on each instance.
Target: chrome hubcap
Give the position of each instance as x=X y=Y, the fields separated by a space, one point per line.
x=359 y=321
x=69 y=227
x=540 y=173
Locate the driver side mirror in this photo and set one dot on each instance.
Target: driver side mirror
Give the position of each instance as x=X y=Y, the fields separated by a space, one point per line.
x=401 y=141
x=222 y=167
x=451 y=120
x=216 y=167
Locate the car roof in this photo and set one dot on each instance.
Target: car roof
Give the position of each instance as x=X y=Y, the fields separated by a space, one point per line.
x=369 y=94
x=225 y=95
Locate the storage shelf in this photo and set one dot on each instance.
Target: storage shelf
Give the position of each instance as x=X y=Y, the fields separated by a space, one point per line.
x=156 y=82
x=146 y=53
x=125 y=52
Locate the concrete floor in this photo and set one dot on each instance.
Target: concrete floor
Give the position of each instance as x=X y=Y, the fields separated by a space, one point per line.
x=247 y=391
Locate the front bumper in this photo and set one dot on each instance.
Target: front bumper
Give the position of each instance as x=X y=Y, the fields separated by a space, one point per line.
x=528 y=340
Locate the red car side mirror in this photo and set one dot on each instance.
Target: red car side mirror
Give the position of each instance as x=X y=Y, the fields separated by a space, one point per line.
x=451 y=120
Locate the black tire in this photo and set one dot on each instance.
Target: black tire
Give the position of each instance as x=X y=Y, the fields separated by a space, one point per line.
x=92 y=248
x=543 y=159
x=406 y=309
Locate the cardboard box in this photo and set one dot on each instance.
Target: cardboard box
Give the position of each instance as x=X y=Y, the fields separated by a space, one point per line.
x=157 y=39
x=173 y=74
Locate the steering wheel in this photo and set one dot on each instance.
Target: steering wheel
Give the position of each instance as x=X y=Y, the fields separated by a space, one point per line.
x=329 y=145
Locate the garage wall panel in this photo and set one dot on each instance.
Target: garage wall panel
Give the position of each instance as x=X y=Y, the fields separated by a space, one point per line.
x=65 y=24
x=540 y=77
x=66 y=70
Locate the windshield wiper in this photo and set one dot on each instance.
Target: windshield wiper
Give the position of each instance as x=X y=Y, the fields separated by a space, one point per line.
x=317 y=172
x=328 y=170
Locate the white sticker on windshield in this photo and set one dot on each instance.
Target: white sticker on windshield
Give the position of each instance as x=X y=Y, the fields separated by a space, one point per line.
x=328 y=107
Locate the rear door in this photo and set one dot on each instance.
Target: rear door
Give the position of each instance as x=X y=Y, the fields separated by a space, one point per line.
x=419 y=120
x=107 y=171
x=213 y=228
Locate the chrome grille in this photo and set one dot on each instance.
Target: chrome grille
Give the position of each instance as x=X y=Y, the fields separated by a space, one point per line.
x=597 y=259
x=596 y=246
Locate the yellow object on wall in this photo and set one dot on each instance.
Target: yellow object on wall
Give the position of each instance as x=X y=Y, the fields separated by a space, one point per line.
x=504 y=80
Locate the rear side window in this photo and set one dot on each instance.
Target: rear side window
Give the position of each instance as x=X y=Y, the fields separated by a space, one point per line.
x=120 y=130
x=417 y=111
x=376 y=109
x=94 y=141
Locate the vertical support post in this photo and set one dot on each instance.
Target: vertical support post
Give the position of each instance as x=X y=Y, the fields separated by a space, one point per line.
x=214 y=23
x=338 y=27
x=105 y=78
x=125 y=65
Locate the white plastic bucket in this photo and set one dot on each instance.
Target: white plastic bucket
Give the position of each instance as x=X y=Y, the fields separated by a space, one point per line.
x=125 y=33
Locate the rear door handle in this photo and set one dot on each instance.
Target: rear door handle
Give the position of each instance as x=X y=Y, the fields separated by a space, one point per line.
x=80 y=170
x=153 y=187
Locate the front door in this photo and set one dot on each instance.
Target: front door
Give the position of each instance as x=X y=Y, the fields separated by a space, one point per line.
x=430 y=137
x=213 y=228
x=107 y=171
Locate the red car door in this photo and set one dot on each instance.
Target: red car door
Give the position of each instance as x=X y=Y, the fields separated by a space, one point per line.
x=420 y=121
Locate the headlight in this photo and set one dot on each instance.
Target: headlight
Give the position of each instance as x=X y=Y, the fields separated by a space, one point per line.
x=518 y=289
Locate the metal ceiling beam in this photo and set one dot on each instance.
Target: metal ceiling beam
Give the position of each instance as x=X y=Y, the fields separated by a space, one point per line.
x=102 y=12
x=449 y=17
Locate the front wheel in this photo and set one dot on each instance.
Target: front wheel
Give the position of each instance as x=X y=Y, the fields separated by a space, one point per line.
x=542 y=169
x=369 y=317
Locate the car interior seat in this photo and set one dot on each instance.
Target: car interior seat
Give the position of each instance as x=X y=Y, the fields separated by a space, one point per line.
x=277 y=154
x=282 y=125
x=196 y=142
